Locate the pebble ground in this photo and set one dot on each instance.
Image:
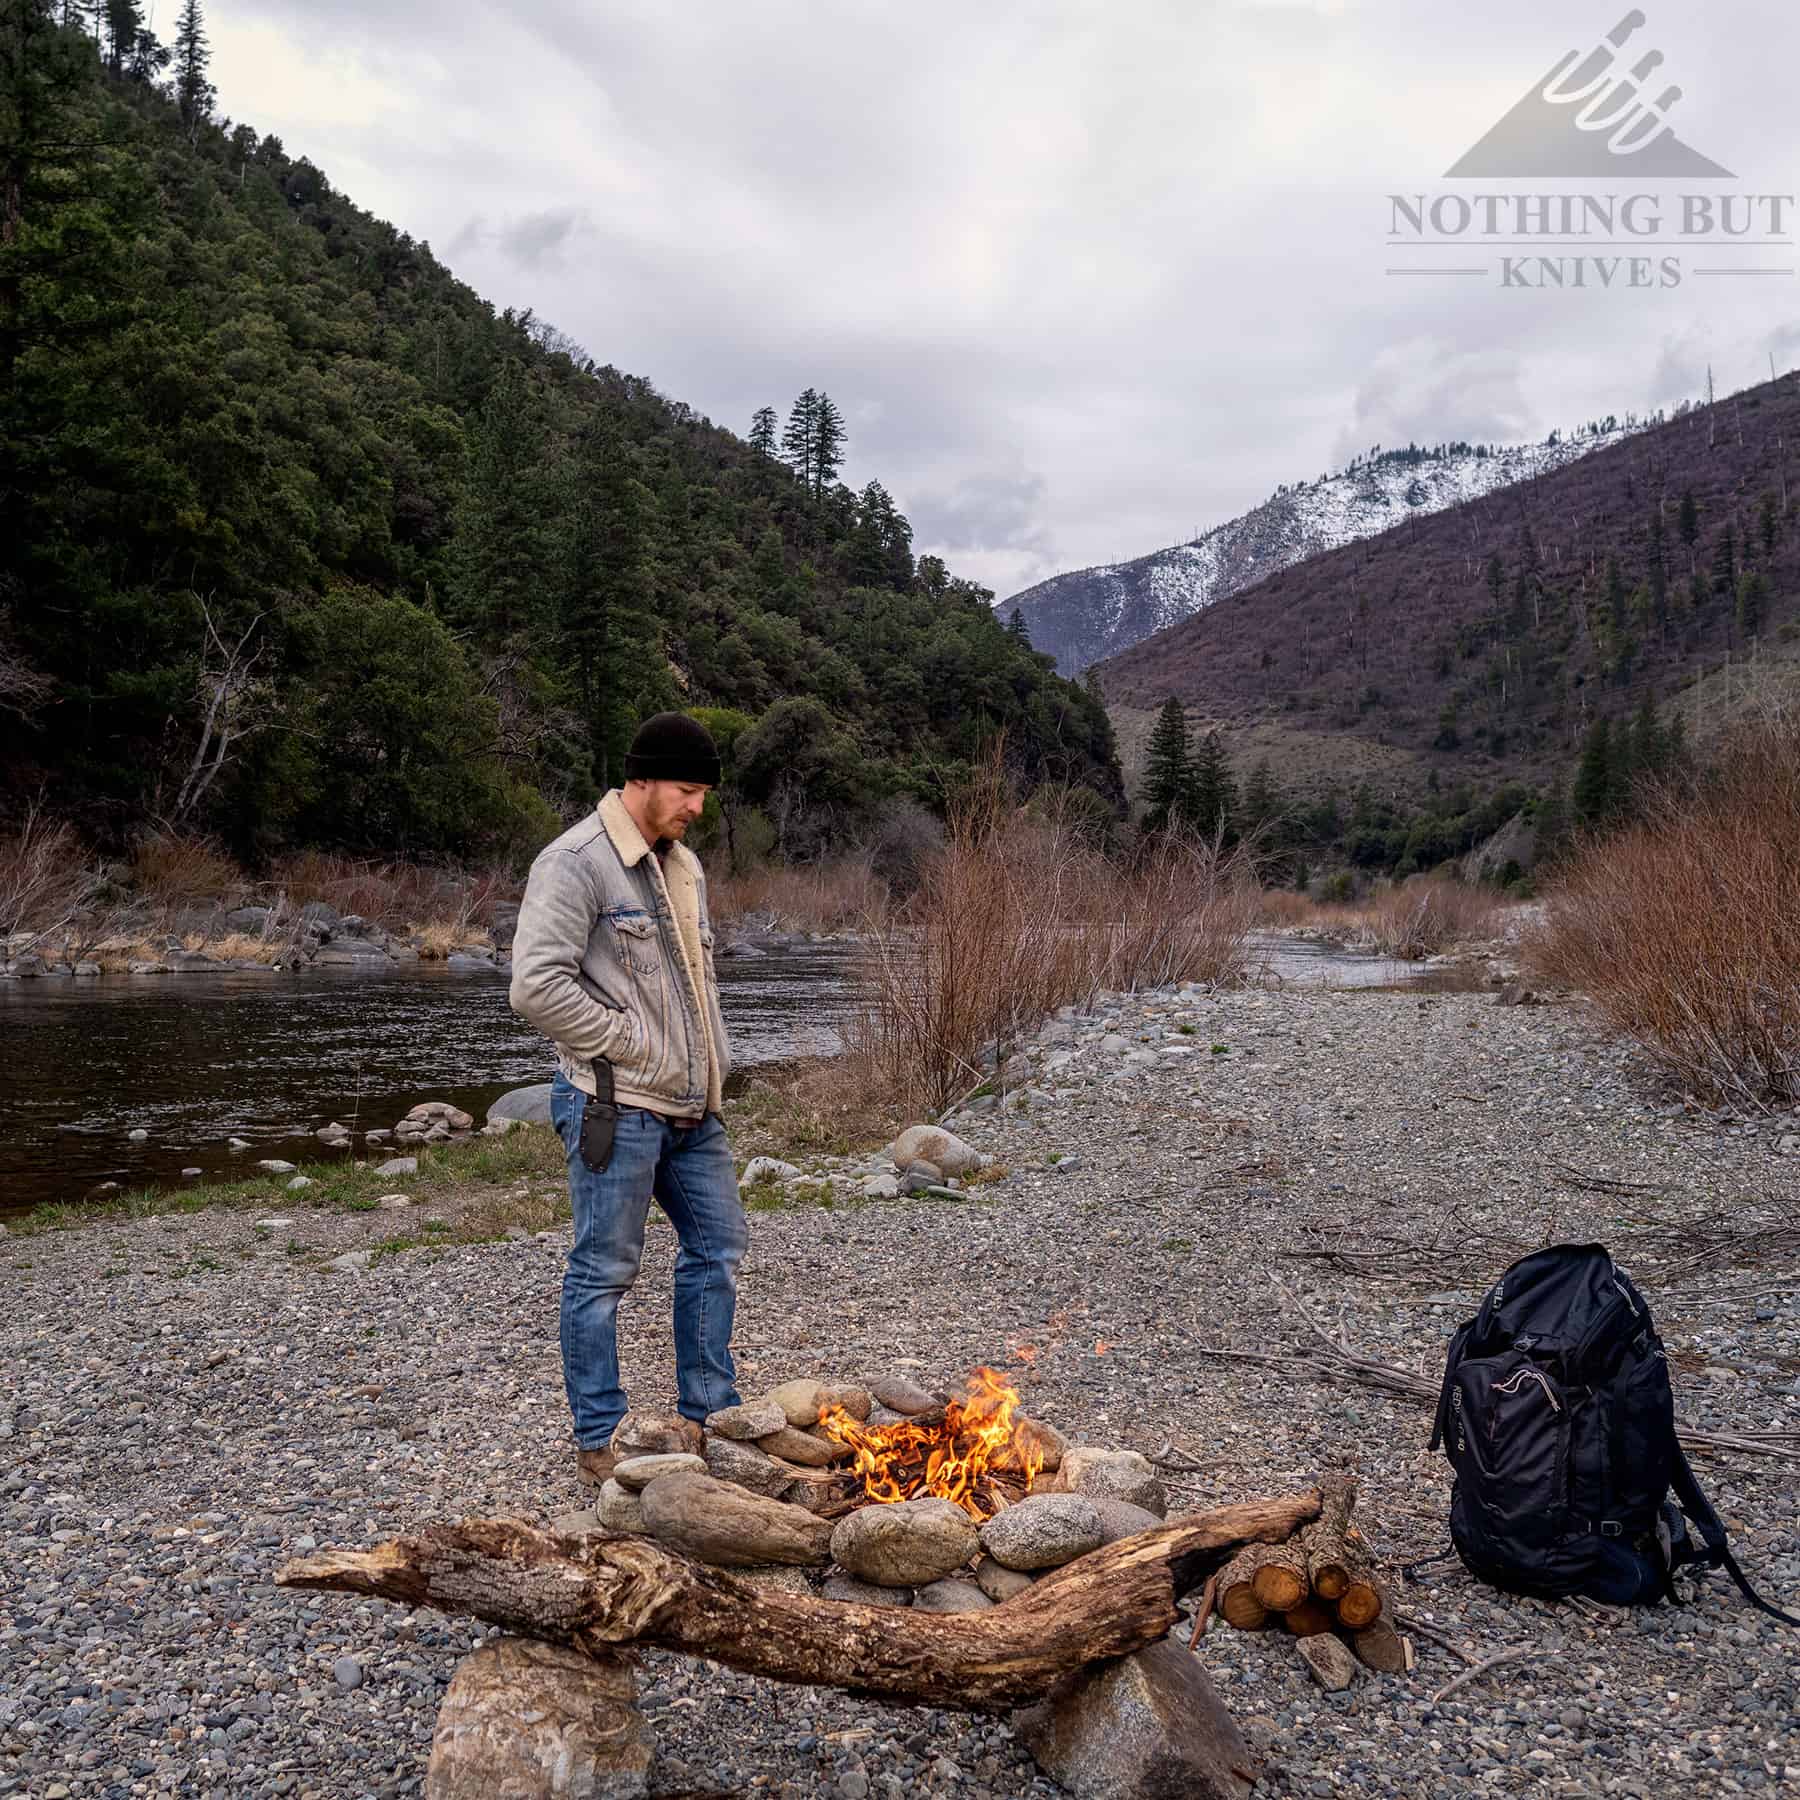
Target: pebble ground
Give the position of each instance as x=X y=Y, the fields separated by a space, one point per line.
x=188 y=1401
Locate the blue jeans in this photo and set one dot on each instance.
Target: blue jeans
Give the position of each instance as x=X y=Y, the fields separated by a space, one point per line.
x=690 y=1173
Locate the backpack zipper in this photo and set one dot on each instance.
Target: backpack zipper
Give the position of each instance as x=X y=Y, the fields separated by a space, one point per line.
x=1511 y=1386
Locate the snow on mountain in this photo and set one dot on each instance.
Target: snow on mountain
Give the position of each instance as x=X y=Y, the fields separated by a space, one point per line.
x=1090 y=614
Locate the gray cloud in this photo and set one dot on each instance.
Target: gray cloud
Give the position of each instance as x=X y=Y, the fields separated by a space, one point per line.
x=1083 y=277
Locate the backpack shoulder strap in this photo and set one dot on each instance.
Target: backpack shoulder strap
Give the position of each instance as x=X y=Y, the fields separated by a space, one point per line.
x=1717 y=1553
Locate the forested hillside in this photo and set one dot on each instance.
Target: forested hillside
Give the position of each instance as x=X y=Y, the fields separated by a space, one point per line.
x=305 y=545
x=1485 y=642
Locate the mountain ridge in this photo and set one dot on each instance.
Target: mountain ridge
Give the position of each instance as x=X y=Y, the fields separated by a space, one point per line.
x=1083 y=616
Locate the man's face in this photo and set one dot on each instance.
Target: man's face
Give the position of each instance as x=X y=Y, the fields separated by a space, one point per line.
x=672 y=806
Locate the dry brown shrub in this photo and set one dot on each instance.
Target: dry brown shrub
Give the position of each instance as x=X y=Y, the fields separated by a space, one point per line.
x=236 y=946
x=1283 y=907
x=1685 y=928
x=398 y=895
x=1021 y=913
x=45 y=877
x=821 y=1106
x=1426 y=915
x=845 y=895
x=175 y=868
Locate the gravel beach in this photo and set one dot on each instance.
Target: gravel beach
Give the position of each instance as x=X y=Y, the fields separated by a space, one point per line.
x=189 y=1400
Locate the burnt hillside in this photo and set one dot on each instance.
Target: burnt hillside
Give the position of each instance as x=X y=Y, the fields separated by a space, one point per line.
x=1486 y=637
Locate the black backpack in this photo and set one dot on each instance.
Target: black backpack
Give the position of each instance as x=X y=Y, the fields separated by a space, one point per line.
x=1557 y=1416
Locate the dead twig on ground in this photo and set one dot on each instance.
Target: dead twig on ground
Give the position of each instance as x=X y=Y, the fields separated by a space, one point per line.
x=1480 y=1669
x=1412 y=1622
x=1336 y=1360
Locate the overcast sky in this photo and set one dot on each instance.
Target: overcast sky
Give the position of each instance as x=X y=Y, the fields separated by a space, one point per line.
x=1083 y=278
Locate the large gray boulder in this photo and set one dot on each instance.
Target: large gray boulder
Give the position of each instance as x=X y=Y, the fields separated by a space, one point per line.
x=933 y=1144
x=351 y=953
x=1114 y=1475
x=1043 y=1531
x=907 y=1545
x=721 y=1523
x=1149 y=1726
x=525 y=1105
x=528 y=1718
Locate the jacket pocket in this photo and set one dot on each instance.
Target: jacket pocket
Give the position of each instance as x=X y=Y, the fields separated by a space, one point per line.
x=633 y=939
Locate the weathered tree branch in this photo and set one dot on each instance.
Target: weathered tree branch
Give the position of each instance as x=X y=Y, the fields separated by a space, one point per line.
x=598 y=1592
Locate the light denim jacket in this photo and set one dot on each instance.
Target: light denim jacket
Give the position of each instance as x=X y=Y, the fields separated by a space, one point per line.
x=613 y=957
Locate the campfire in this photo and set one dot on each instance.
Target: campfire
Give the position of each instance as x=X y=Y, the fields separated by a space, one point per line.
x=969 y=1451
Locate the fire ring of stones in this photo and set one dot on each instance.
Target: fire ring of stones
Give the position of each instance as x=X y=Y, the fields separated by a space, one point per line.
x=948 y=1503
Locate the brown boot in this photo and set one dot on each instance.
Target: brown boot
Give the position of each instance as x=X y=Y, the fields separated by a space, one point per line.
x=595 y=1466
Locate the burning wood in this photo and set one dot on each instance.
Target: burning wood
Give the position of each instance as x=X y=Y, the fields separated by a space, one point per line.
x=978 y=1452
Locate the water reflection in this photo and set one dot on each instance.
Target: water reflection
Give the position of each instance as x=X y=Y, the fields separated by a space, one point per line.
x=197 y=1059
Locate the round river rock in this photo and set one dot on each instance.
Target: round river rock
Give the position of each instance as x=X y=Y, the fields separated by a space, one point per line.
x=1043 y=1531
x=906 y=1545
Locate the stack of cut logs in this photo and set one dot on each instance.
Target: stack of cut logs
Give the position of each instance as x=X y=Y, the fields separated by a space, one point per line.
x=1322 y=1579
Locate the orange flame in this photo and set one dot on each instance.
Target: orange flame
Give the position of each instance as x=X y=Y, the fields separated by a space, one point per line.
x=955 y=1459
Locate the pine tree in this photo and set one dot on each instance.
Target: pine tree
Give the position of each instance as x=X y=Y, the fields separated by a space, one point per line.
x=606 y=632
x=1687 y=526
x=1496 y=577
x=193 y=92
x=828 y=444
x=1752 y=605
x=1648 y=753
x=1658 y=573
x=498 y=567
x=800 y=439
x=123 y=19
x=1724 y=569
x=1016 y=628
x=762 y=431
x=1593 y=794
x=1212 y=803
x=1616 y=617
x=1168 y=768
x=1769 y=523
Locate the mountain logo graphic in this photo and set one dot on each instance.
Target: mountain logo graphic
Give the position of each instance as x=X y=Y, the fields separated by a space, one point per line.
x=1591 y=117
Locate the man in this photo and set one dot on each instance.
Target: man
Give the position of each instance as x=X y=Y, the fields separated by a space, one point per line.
x=613 y=960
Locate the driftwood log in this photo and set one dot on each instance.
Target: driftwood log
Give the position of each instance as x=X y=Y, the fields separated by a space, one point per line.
x=598 y=1592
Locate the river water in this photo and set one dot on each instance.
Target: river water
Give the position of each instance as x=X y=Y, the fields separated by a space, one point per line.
x=197 y=1059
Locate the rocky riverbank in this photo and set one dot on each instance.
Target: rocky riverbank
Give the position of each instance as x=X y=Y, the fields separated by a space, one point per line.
x=194 y=1397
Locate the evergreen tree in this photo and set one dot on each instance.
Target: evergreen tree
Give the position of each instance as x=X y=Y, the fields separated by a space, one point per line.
x=828 y=444
x=1212 y=793
x=498 y=578
x=1752 y=605
x=1168 y=767
x=1093 y=686
x=799 y=441
x=1687 y=525
x=1550 y=821
x=123 y=19
x=1592 y=798
x=1647 y=755
x=1769 y=522
x=1263 y=810
x=1016 y=628
x=194 y=94
x=1616 y=616
x=1496 y=577
x=1724 y=569
x=605 y=627
x=762 y=431
x=1658 y=573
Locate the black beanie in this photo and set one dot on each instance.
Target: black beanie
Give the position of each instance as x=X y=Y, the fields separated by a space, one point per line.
x=673 y=747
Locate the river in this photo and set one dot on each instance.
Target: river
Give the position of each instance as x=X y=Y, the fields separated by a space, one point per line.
x=194 y=1060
